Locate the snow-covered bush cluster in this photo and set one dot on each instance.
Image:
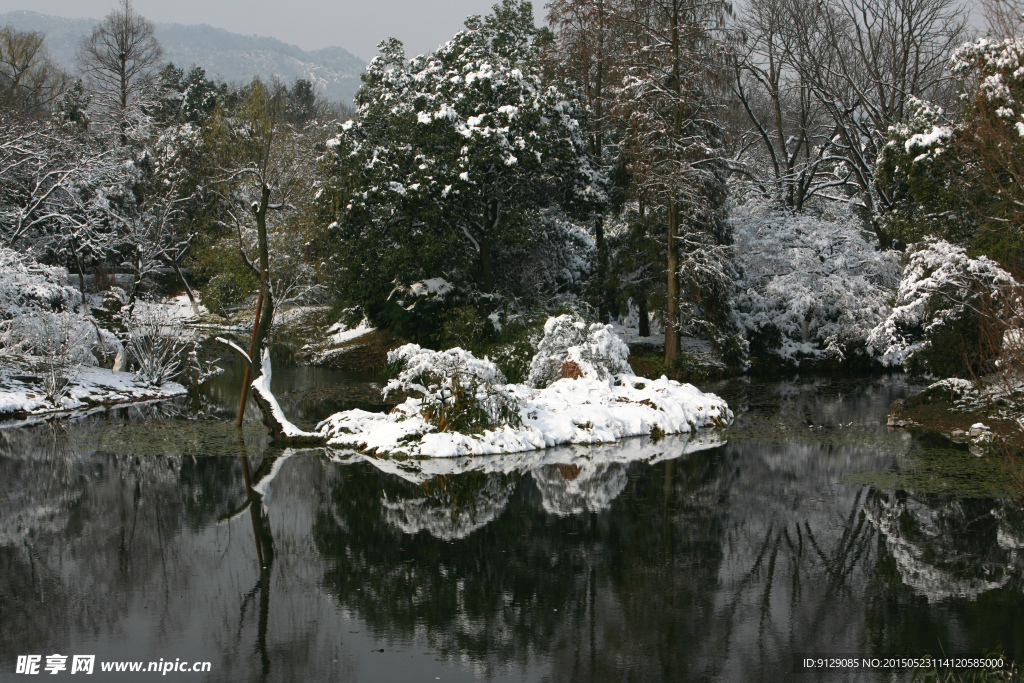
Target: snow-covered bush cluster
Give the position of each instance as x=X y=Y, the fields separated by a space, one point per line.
x=571 y=348
x=27 y=285
x=812 y=286
x=456 y=391
x=934 y=322
x=39 y=317
x=1001 y=63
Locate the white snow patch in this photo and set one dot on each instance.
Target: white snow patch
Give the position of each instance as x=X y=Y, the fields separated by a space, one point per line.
x=261 y=385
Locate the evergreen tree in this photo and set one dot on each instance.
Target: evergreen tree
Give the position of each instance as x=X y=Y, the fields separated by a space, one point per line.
x=453 y=157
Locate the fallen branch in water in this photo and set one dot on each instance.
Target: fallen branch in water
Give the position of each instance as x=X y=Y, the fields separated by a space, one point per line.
x=282 y=431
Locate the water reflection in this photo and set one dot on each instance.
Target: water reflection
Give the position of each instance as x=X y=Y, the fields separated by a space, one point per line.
x=679 y=559
x=946 y=547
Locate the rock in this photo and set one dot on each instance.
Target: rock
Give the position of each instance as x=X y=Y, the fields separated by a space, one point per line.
x=977 y=429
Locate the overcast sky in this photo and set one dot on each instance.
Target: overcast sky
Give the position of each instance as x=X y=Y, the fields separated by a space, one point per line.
x=354 y=25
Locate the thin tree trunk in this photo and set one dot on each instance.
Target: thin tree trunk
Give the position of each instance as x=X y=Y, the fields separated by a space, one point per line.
x=672 y=261
x=645 y=320
x=672 y=306
x=188 y=290
x=81 y=282
x=486 y=270
x=602 y=272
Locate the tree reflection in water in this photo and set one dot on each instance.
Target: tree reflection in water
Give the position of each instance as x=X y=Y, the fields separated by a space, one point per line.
x=264 y=542
x=675 y=560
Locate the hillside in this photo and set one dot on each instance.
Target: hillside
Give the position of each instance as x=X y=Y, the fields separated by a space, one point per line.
x=225 y=55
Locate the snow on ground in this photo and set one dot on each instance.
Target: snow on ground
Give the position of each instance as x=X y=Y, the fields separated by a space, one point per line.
x=176 y=307
x=570 y=411
x=631 y=335
x=91 y=386
x=340 y=339
x=338 y=333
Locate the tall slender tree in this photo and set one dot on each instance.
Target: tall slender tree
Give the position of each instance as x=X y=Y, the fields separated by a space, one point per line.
x=119 y=59
x=672 y=141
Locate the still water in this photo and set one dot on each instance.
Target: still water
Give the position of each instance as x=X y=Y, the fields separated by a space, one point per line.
x=806 y=529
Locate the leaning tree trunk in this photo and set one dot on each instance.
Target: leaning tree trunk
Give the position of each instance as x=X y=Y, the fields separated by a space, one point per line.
x=188 y=290
x=282 y=432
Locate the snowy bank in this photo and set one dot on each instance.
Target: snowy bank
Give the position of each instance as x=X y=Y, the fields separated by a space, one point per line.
x=22 y=394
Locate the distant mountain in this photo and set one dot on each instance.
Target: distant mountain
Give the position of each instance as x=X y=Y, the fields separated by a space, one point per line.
x=228 y=56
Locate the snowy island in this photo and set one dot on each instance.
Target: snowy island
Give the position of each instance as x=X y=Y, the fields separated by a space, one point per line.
x=581 y=390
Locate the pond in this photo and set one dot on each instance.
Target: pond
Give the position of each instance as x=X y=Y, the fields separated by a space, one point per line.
x=159 y=534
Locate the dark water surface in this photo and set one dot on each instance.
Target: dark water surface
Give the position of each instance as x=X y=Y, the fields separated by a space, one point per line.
x=133 y=535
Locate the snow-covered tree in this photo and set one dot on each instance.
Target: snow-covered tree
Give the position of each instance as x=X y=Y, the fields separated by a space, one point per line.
x=991 y=139
x=813 y=287
x=823 y=80
x=673 y=146
x=263 y=175
x=923 y=176
x=943 y=294
x=452 y=157
x=58 y=191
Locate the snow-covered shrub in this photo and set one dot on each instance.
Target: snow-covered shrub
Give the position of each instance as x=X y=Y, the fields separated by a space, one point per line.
x=39 y=318
x=934 y=324
x=570 y=348
x=29 y=286
x=53 y=345
x=812 y=286
x=458 y=391
x=160 y=347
